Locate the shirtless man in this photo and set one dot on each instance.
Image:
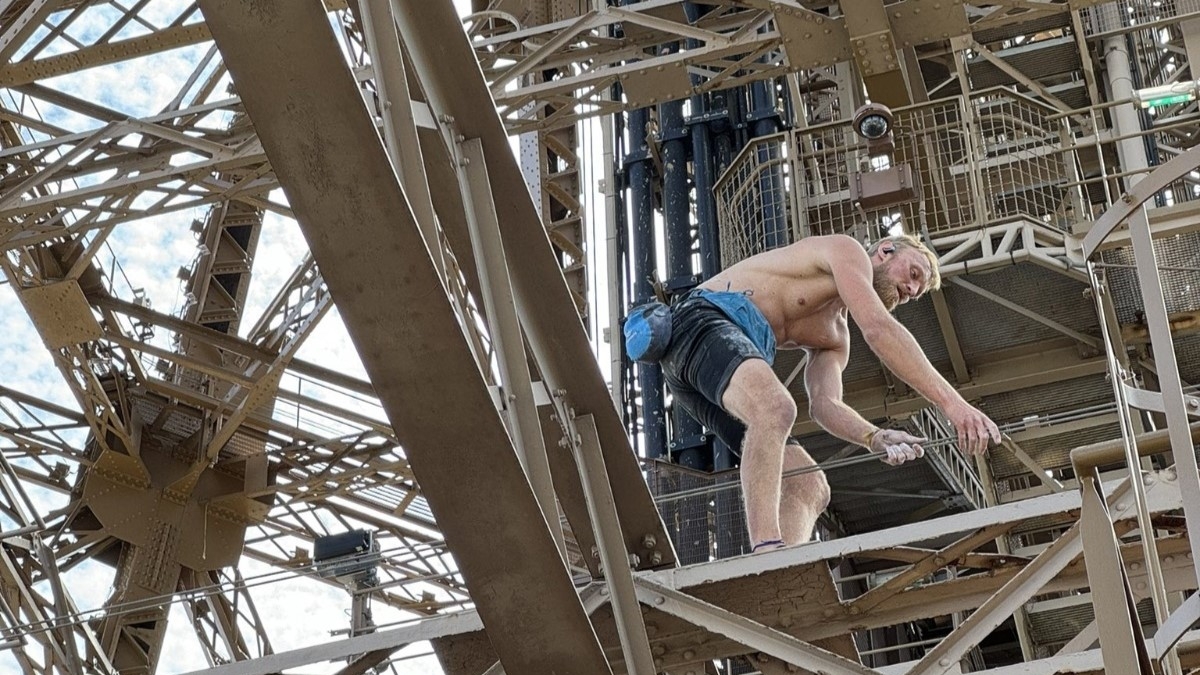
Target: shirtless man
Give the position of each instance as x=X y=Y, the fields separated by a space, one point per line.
x=724 y=335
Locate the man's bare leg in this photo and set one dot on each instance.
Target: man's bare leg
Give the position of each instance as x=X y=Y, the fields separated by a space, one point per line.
x=757 y=398
x=804 y=497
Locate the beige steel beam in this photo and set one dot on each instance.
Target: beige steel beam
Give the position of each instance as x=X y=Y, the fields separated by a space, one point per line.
x=305 y=104
x=442 y=56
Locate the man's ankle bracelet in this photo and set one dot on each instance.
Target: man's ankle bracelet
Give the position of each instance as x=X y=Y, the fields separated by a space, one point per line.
x=769 y=542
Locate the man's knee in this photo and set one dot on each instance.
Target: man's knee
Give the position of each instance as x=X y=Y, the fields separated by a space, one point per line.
x=776 y=411
x=756 y=397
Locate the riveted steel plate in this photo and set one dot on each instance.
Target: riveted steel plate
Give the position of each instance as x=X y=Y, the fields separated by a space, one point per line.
x=62 y=314
x=811 y=40
x=917 y=22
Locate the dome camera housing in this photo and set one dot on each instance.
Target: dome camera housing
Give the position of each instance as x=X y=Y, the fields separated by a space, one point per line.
x=873 y=122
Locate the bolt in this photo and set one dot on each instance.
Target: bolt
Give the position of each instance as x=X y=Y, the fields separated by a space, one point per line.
x=649 y=541
x=460 y=138
x=656 y=558
x=659 y=600
x=634 y=560
x=446 y=119
x=464 y=161
x=1128 y=199
x=1193 y=403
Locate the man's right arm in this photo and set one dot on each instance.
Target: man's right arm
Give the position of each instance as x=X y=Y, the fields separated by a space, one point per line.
x=895 y=345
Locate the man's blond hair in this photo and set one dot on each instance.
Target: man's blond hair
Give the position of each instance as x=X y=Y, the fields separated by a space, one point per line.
x=902 y=241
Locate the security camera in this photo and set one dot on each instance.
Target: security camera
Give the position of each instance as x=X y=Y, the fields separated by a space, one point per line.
x=873 y=122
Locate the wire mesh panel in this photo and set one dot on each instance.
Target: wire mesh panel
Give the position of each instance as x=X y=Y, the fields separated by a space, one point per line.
x=753 y=201
x=993 y=157
x=1122 y=15
x=933 y=140
x=703 y=512
x=1022 y=165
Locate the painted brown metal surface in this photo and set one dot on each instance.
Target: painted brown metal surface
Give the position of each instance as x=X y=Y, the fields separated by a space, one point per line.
x=339 y=180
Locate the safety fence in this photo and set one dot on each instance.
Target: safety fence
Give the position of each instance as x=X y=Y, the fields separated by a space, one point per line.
x=990 y=157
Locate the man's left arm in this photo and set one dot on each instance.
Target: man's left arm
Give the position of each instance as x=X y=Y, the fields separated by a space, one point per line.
x=823 y=381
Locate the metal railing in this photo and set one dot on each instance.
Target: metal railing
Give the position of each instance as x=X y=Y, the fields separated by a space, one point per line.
x=993 y=156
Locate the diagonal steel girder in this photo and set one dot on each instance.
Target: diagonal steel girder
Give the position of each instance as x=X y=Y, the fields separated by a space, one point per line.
x=441 y=55
x=363 y=234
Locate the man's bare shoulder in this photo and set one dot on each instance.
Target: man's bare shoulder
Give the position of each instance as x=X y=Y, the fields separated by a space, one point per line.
x=830 y=250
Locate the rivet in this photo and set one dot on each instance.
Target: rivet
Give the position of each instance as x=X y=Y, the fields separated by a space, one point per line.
x=1169 y=559
x=689 y=654
x=855 y=609
x=943 y=662
x=1121 y=505
x=1141 y=585
x=1135 y=566
x=659 y=600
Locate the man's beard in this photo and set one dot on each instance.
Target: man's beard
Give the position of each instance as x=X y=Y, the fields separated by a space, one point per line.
x=886 y=289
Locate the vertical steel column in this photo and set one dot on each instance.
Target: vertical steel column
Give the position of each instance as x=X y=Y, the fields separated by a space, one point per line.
x=635 y=645
x=764 y=120
x=1168 y=375
x=687 y=440
x=399 y=125
x=613 y=244
x=677 y=221
x=641 y=200
x=520 y=408
x=1125 y=117
x=703 y=168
